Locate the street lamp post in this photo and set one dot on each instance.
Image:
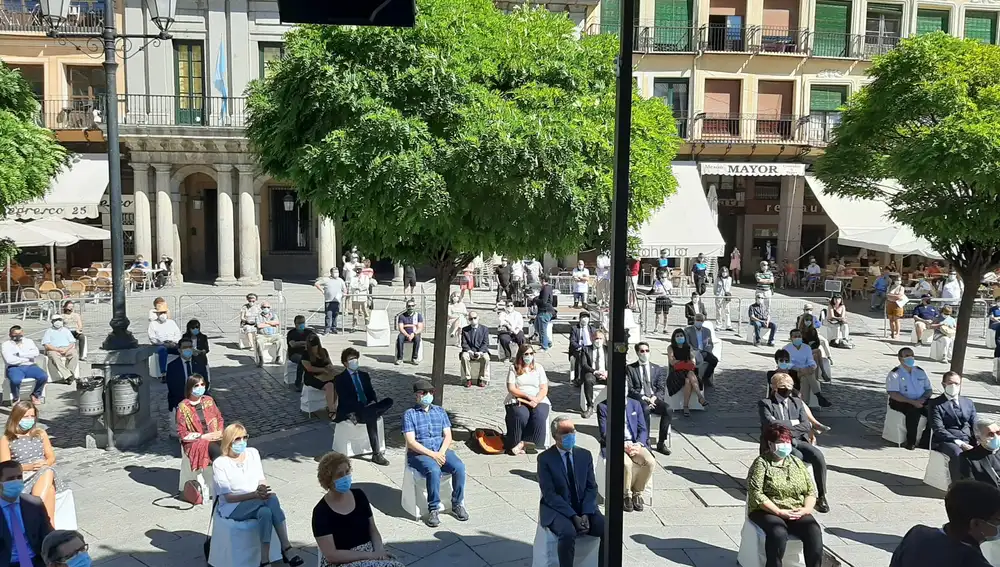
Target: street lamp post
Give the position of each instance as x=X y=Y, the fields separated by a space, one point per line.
x=54 y=14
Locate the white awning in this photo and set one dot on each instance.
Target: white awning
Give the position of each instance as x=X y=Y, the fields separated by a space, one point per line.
x=74 y=193
x=865 y=223
x=81 y=231
x=684 y=224
x=25 y=236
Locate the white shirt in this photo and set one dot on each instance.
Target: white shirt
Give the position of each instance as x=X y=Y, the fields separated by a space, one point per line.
x=724 y=286
x=530 y=383
x=358 y=287
x=603 y=268
x=922 y=287
x=952 y=290
x=517 y=270
x=513 y=320
x=22 y=354
x=233 y=477
x=646 y=375
x=160 y=333
x=348 y=270
x=581 y=286
x=535 y=269
x=663 y=286
x=333 y=289
x=814 y=269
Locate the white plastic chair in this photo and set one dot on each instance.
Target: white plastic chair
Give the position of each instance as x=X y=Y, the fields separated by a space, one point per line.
x=600 y=470
x=937 y=473
x=545 y=550
x=414 y=492
x=676 y=402
x=312 y=400
x=925 y=337
x=894 y=427
x=352 y=439
x=598 y=393
x=408 y=351
x=941 y=348
x=65 y=511
x=290 y=369
x=27 y=385
x=751 y=553
x=377 y=332
x=237 y=544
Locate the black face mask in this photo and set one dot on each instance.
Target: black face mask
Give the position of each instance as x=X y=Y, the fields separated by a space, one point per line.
x=17 y=338
x=784 y=392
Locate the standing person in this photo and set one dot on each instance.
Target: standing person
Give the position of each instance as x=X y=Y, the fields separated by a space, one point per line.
x=60 y=348
x=545 y=313
x=633 y=271
x=19 y=354
x=661 y=291
x=298 y=344
x=467 y=283
x=735 y=264
x=527 y=404
x=603 y=279
x=581 y=337
x=973 y=510
x=409 y=280
x=517 y=280
x=25 y=522
x=663 y=262
x=410 y=325
x=765 y=281
x=699 y=271
x=532 y=271
x=357 y=401
x=333 y=289
x=503 y=274
x=358 y=290
x=909 y=389
x=953 y=289
x=895 y=300
x=723 y=293
x=581 y=285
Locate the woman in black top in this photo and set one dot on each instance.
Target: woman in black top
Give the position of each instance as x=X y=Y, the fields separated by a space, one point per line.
x=683 y=371
x=319 y=372
x=198 y=339
x=342 y=521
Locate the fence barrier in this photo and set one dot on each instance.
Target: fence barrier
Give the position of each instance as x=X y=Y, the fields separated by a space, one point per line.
x=714 y=307
x=980 y=319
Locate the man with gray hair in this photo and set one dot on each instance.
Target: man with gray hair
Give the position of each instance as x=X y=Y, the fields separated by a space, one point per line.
x=65 y=548
x=982 y=462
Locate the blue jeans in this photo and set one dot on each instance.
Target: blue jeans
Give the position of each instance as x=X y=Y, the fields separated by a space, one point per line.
x=17 y=374
x=431 y=471
x=332 y=310
x=757 y=326
x=267 y=513
x=542 y=328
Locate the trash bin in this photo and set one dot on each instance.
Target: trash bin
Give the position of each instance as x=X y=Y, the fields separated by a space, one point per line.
x=91 y=390
x=125 y=394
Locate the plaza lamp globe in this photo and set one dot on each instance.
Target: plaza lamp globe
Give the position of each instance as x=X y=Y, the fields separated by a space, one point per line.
x=54 y=12
x=289 y=203
x=162 y=12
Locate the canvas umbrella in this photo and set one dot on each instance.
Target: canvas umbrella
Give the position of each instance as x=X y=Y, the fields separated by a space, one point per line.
x=81 y=231
x=24 y=235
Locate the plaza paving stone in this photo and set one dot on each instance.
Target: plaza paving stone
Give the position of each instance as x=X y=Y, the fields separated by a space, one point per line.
x=125 y=500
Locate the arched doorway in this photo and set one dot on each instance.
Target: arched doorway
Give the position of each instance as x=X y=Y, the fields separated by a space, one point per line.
x=199 y=224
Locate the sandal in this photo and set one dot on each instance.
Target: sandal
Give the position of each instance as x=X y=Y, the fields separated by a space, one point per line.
x=703 y=402
x=687 y=412
x=295 y=561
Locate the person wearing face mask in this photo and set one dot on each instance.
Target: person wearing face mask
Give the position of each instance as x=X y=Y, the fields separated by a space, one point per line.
x=475 y=349
x=642 y=375
x=74 y=323
x=699 y=272
x=333 y=289
x=784 y=408
x=342 y=521
x=581 y=336
x=909 y=389
x=895 y=300
x=545 y=312
x=268 y=335
x=510 y=330
x=973 y=510
x=581 y=285
x=19 y=354
x=243 y=493
x=410 y=325
x=982 y=462
x=945 y=327
x=661 y=289
x=803 y=361
x=639 y=461
x=760 y=318
x=25 y=522
x=199 y=424
x=359 y=290
x=951 y=418
x=568 y=506
x=603 y=273
x=427 y=431
x=198 y=339
x=248 y=319
x=813 y=273
x=783 y=363
x=60 y=348
x=953 y=289
x=879 y=289
x=297 y=344
x=781 y=497
x=357 y=401
x=165 y=334
x=723 y=293
x=694 y=307
x=65 y=548
x=700 y=338
x=527 y=403
x=592 y=368
x=807 y=326
x=458 y=315
x=682 y=360
x=23 y=441
x=765 y=281
x=924 y=317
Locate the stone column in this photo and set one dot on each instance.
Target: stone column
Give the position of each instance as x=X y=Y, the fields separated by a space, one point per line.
x=397 y=274
x=249 y=232
x=175 y=204
x=227 y=232
x=164 y=213
x=790 y=219
x=143 y=236
x=327 y=256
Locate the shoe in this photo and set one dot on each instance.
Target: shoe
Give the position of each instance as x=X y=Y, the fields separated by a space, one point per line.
x=294 y=561
x=482 y=384
x=432 y=520
x=908 y=446
x=821 y=428
x=770 y=343
x=399 y=363
x=587 y=413
x=379 y=459
x=709 y=383
x=826 y=377
x=729 y=328
x=661 y=447
x=468 y=383
x=627 y=505
x=756 y=343
x=821 y=505
x=637 y=504
x=823 y=402
x=459 y=512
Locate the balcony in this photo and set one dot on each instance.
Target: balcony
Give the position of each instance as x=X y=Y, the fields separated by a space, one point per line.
x=74 y=113
x=750 y=129
x=665 y=39
x=24 y=16
x=764 y=39
x=852 y=46
x=722 y=38
x=142 y=111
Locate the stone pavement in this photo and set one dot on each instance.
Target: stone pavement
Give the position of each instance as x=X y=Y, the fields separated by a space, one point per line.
x=126 y=509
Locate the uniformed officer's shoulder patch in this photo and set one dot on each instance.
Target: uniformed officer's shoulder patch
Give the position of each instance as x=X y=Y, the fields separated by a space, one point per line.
x=895 y=369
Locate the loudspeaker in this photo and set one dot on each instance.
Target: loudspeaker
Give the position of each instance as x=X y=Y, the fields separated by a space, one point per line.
x=388 y=13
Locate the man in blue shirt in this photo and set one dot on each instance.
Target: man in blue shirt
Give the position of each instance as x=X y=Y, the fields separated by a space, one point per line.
x=909 y=389
x=25 y=522
x=881 y=286
x=60 y=348
x=427 y=431
x=410 y=325
x=924 y=315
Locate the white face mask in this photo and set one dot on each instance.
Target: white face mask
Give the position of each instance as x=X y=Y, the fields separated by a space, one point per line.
x=952 y=390
x=57 y=324
x=162 y=317
x=952 y=278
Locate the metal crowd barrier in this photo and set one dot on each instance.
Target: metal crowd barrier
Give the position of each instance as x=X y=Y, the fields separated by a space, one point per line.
x=714 y=304
x=391 y=304
x=220 y=314
x=980 y=311
x=31 y=316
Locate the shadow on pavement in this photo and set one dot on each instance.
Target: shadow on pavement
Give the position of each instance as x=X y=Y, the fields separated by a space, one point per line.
x=679 y=550
x=163 y=479
x=868 y=538
x=385 y=499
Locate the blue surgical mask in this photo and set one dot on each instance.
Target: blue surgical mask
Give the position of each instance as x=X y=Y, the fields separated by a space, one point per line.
x=187 y=353
x=782 y=450
x=808 y=322
x=195 y=331
x=239 y=447
x=427 y=399
x=784 y=365
x=353 y=365
x=198 y=391
x=797 y=342
x=26 y=423
x=993 y=443
x=301 y=326
x=569 y=441
x=81 y=559
x=681 y=340
x=698 y=324
x=909 y=361
x=528 y=358
x=342 y=484
x=12 y=489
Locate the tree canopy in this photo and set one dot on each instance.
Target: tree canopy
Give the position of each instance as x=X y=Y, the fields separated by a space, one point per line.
x=930 y=119
x=474 y=132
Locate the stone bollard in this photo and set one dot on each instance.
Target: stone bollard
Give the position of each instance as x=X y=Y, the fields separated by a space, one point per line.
x=132 y=431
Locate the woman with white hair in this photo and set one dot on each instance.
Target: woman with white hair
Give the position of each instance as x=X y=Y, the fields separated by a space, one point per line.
x=982 y=462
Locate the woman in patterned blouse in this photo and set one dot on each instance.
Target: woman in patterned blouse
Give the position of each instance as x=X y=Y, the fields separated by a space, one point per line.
x=780 y=499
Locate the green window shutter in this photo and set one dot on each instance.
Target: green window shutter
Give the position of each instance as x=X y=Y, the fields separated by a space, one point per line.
x=672 y=25
x=827 y=98
x=610 y=16
x=929 y=21
x=833 y=22
x=981 y=26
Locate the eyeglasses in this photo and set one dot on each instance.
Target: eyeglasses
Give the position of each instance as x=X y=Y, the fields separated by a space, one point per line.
x=644 y=351
x=84 y=549
x=243 y=438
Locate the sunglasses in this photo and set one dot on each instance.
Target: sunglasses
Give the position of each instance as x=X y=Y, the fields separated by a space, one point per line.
x=644 y=351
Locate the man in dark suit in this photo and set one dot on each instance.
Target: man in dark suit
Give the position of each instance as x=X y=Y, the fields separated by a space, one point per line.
x=357 y=401
x=643 y=376
x=952 y=417
x=568 y=506
x=581 y=339
x=180 y=369
x=700 y=339
x=784 y=408
x=982 y=462
x=475 y=348
x=592 y=366
x=25 y=522
x=639 y=462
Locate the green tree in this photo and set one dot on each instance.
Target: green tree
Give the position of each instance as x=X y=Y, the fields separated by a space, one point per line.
x=29 y=154
x=475 y=132
x=931 y=120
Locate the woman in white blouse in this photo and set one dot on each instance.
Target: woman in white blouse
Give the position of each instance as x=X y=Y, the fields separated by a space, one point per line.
x=458 y=315
x=527 y=403
x=244 y=494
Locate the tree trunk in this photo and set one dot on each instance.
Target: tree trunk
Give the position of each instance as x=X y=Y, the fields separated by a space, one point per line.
x=442 y=286
x=969 y=296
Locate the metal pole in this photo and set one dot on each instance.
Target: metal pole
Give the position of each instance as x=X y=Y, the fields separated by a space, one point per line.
x=615 y=449
x=120 y=338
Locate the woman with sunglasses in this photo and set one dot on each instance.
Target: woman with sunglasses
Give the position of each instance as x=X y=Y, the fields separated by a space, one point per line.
x=527 y=404
x=244 y=495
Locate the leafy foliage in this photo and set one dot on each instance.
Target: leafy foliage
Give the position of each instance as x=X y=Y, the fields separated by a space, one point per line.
x=29 y=154
x=931 y=120
x=475 y=132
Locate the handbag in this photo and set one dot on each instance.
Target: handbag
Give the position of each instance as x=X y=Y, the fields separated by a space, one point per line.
x=192 y=492
x=685 y=366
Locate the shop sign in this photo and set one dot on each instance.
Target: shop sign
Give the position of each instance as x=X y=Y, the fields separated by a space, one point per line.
x=753 y=169
x=763 y=208
x=127 y=205
x=41 y=211
x=672 y=252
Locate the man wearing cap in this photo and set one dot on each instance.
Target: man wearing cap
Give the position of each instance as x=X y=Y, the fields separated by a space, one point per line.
x=924 y=315
x=427 y=431
x=60 y=349
x=475 y=348
x=760 y=318
x=410 y=324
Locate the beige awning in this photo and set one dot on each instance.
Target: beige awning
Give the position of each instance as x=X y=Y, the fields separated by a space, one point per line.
x=74 y=193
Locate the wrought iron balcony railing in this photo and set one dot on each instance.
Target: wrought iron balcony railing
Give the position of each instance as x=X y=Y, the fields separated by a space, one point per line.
x=25 y=16
x=182 y=110
x=750 y=128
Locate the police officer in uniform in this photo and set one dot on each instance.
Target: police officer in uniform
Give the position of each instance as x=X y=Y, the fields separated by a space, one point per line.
x=909 y=390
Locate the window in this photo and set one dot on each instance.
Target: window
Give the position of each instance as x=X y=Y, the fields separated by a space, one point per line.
x=832 y=28
x=611 y=15
x=883 y=25
x=189 y=80
x=289 y=229
x=35 y=75
x=85 y=83
x=674 y=92
x=825 y=102
x=672 y=25
x=269 y=52
x=767 y=189
x=981 y=26
x=929 y=21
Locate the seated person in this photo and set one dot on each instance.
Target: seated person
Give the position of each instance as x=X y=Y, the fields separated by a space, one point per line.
x=32 y=520
x=951 y=419
x=458 y=315
x=74 y=322
x=511 y=328
x=199 y=424
x=693 y=307
x=781 y=498
x=790 y=274
x=592 y=367
x=475 y=348
x=427 y=431
x=357 y=401
x=909 y=390
x=783 y=363
x=27 y=443
x=342 y=521
x=178 y=372
x=837 y=319
x=269 y=329
x=807 y=325
x=139 y=262
x=319 y=373
x=783 y=408
x=639 y=462
x=568 y=506
x=803 y=362
x=700 y=339
x=159 y=305
x=945 y=327
x=198 y=339
x=683 y=373
x=924 y=315
x=982 y=462
x=297 y=341
x=642 y=375
x=994 y=314
x=60 y=348
x=410 y=325
x=760 y=318
x=19 y=354
x=248 y=315
x=165 y=334
x=813 y=271
x=527 y=404
x=581 y=336
x=63 y=548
